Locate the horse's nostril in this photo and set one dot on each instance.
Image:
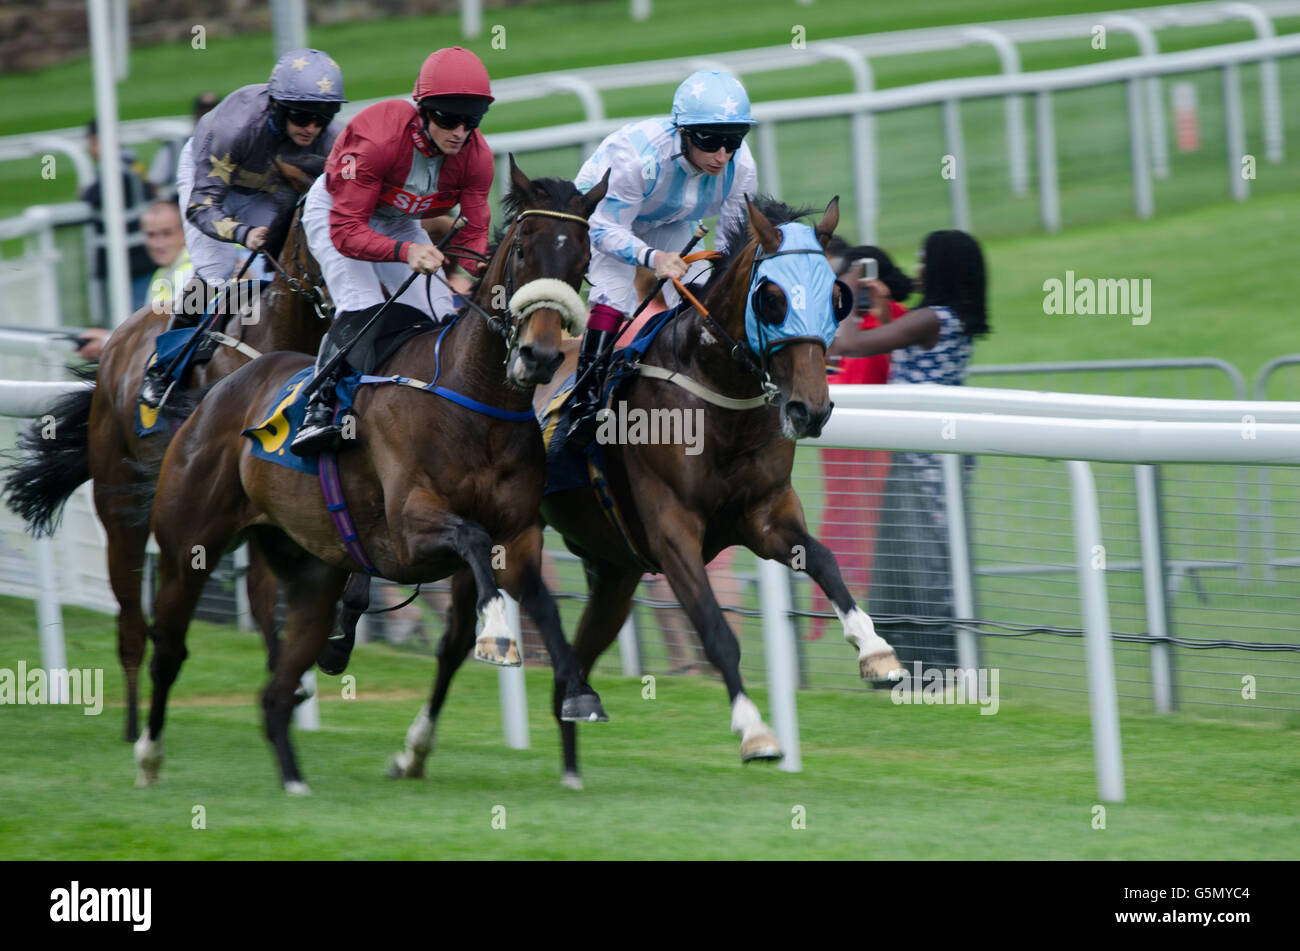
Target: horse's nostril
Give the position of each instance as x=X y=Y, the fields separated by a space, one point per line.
x=797 y=412
x=528 y=355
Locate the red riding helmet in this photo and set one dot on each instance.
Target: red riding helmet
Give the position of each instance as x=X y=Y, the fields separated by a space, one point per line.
x=453 y=71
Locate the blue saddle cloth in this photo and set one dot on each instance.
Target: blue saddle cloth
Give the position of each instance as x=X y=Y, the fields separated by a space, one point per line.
x=283 y=418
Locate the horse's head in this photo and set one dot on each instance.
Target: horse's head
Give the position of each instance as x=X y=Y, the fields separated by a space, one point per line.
x=537 y=270
x=783 y=301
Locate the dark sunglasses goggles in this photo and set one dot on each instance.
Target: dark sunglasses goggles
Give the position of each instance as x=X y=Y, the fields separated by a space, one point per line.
x=707 y=140
x=453 y=120
x=307 y=117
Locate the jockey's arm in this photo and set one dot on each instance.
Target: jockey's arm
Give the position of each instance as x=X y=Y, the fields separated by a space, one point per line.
x=612 y=220
x=355 y=190
x=217 y=157
x=478 y=216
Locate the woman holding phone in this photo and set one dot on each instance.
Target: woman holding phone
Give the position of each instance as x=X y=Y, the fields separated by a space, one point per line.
x=932 y=343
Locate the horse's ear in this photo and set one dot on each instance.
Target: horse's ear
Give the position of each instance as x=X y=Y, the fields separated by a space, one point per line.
x=517 y=178
x=592 y=198
x=830 y=221
x=762 y=229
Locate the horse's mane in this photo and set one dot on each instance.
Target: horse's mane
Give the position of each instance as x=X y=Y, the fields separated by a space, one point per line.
x=559 y=192
x=735 y=231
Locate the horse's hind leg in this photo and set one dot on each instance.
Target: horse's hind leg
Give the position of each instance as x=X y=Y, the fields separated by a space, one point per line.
x=311 y=590
x=125 y=550
x=609 y=600
x=457 y=640
x=263 y=593
x=777 y=531
x=677 y=548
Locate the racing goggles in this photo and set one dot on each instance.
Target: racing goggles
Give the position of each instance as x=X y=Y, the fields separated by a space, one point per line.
x=711 y=138
x=451 y=120
x=307 y=117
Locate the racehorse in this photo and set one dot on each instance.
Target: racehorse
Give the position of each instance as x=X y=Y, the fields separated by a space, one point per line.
x=96 y=438
x=680 y=510
x=435 y=486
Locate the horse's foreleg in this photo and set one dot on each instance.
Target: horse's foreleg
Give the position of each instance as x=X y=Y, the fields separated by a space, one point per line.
x=609 y=600
x=521 y=576
x=125 y=550
x=311 y=592
x=779 y=532
x=182 y=572
x=430 y=534
x=677 y=549
x=456 y=642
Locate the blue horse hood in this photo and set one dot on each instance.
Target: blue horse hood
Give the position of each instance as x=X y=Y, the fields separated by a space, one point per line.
x=799 y=267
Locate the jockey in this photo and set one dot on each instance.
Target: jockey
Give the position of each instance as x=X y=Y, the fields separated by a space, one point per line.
x=666 y=175
x=393 y=165
x=225 y=180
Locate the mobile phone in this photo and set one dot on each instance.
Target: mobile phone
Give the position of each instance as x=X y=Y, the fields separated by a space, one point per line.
x=870 y=268
x=870 y=272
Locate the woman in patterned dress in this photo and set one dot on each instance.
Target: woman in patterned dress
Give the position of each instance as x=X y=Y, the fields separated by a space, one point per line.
x=932 y=343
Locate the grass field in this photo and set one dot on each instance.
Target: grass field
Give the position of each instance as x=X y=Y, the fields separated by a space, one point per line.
x=663 y=777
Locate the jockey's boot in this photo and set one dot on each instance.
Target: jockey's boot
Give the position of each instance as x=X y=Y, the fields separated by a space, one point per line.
x=319 y=432
x=593 y=361
x=154 y=384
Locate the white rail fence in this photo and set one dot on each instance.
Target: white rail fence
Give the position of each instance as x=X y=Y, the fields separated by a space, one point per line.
x=978 y=421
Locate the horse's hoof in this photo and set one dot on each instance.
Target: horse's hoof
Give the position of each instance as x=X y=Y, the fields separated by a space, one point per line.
x=572 y=781
x=296 y=787
x=148 y=760
x=583 y=708
x=760 y=746
x=404 y=766
x=333 y=659
x=881 y=666
x=498 y=651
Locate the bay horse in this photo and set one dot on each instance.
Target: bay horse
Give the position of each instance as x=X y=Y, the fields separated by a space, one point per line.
x=96 y=438
x=680 y=509
x=434 y=487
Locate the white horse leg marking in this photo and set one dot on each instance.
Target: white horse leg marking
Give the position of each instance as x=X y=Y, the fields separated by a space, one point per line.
x=409 y=764
x=148 y=759
x=757 y=741
x=876 y=659
x=495 y=644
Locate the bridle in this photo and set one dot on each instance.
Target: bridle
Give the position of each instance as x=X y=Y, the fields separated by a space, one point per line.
x=509 y=326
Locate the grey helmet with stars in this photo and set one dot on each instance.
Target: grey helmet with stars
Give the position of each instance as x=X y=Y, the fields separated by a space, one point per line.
x=307 y=76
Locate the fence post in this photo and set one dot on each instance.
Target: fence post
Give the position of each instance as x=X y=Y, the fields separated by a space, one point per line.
x=629 y=648
x=1049 y=191
x=957 y=194
x=510 y=684
x=1103 y=701
x=1234 y=131
x=963 y=589
x=1153 y=585
x=1143 y=200
x=778 y=643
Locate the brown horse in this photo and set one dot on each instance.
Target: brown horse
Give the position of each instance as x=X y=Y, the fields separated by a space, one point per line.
x=435 y=488
x=96 y=439
x=682 y=507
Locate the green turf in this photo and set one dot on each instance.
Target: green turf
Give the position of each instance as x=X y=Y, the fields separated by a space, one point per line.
x=663 y=777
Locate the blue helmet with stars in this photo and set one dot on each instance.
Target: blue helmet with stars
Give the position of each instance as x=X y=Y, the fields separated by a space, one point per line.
x=307 y=76
x=711 y=97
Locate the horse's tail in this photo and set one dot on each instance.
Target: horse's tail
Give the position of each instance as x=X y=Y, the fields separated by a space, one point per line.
x=50 y=461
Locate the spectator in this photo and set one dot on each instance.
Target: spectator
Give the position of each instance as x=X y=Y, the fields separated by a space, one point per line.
x=162 y=172
x=135 y=194
x=931 y=344
x=164 y=239
x=854 y=478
